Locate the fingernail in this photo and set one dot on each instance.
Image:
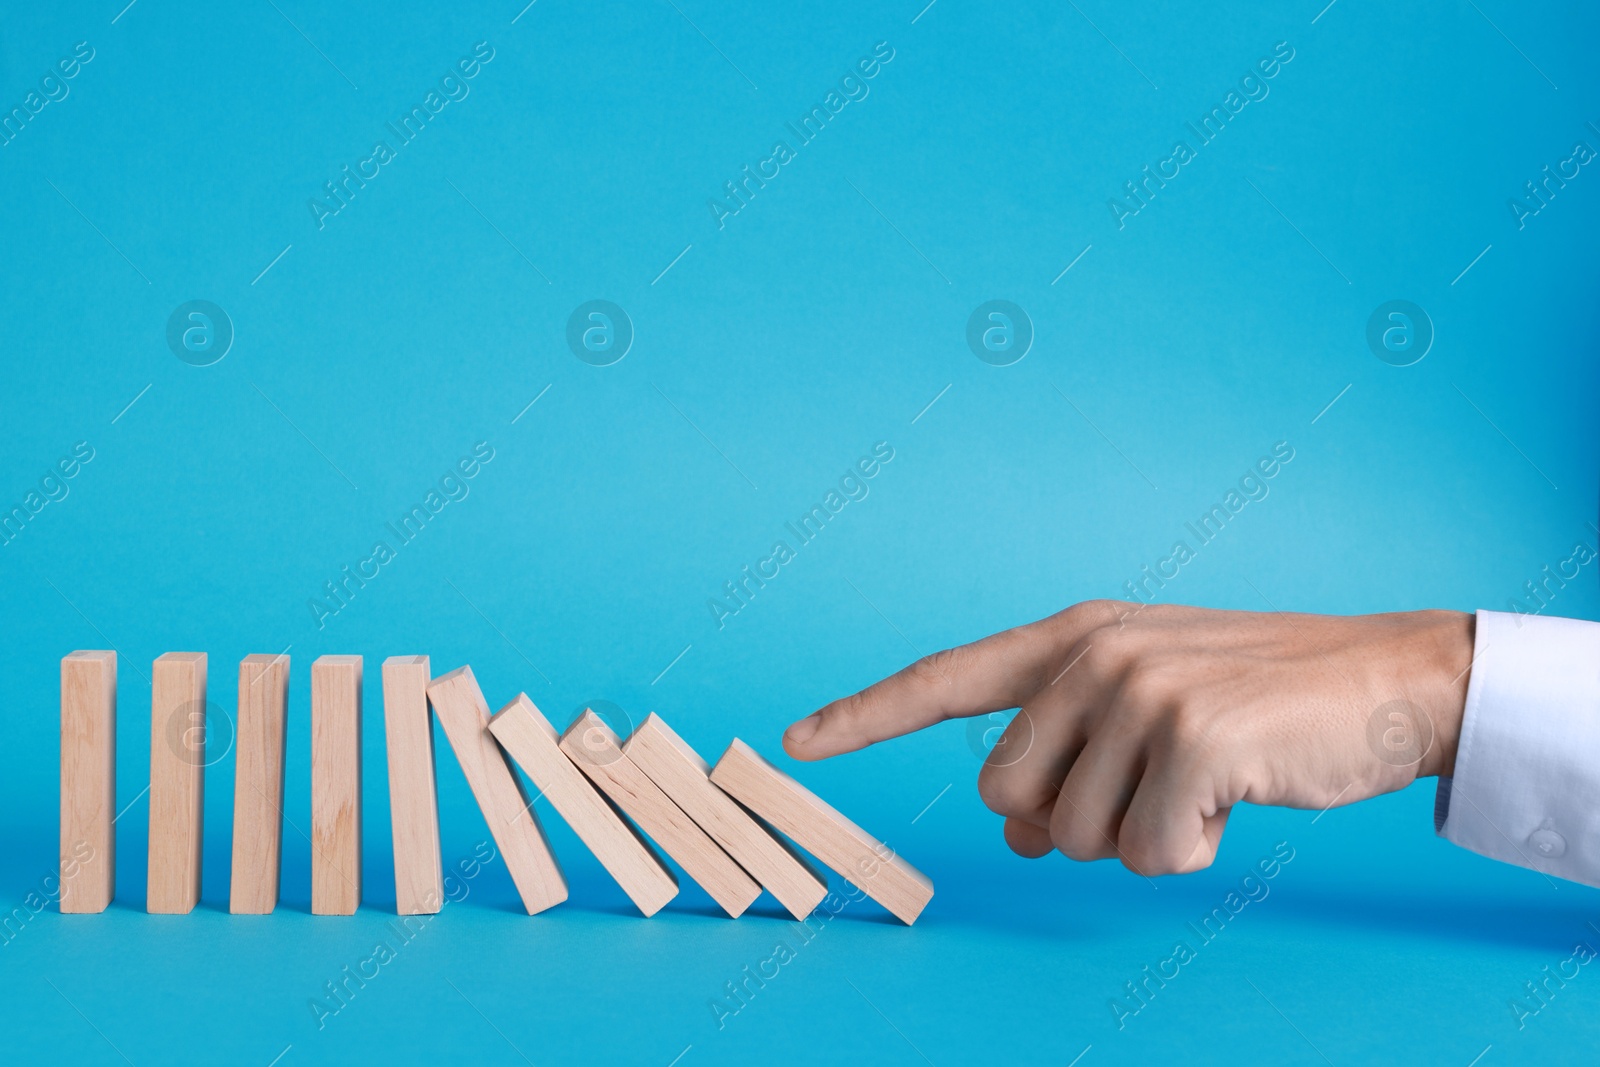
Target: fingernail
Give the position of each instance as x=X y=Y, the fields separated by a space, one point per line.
x=801 y=732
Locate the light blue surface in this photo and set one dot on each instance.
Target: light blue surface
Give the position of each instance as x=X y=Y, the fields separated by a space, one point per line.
x=371 y=354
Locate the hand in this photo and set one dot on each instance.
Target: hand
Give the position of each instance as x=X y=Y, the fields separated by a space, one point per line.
x=1141 y=727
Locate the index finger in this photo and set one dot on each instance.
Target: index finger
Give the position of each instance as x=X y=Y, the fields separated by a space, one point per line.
x=999 y=672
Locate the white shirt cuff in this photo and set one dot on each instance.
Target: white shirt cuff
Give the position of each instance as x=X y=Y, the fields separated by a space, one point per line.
x=1526 y=787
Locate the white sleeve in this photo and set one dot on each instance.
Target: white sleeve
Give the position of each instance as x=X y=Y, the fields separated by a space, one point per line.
x=1526 y=787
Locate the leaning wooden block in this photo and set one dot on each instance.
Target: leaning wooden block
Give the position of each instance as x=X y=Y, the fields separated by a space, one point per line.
x=88 y=781
x=685 y=778
x=464 y=714
x=336 y=785
x=591 y=745
x=258 y=784
x=527 y=735
x=822 y=831
x=413 y=790
x=177 y=781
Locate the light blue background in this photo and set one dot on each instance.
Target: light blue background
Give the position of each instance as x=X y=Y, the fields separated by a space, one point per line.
x=823 y=318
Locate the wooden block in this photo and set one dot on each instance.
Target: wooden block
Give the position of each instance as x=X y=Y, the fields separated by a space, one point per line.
x=527 y=735
x=88 y=781
x=177 y=781
x=462 y=711
x=258 y=784
x=335 y=785
x=822 y=831
x=685 y=778
x=591 y=745
x=413 y=790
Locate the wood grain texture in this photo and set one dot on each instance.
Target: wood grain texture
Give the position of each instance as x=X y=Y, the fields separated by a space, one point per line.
x=869 y=863
x=464 y=714
x=590 y=744
x=336 y=785
x=413 y=787
x=177 y=781
x=680 y=772
x=88 y=781
x=258 y=784
x=527 y=735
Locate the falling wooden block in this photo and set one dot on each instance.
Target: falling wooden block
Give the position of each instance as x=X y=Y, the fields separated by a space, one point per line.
x=591 y=745
x=685 y=778
x=177 y=781
x=462 y=711
x=258 y=784
x=88 y=781
x=413 y=790
x=335 y=785
x=527 y=735
x=822 y=831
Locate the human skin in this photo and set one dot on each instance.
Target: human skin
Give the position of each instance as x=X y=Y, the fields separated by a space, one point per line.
x=1141 y=726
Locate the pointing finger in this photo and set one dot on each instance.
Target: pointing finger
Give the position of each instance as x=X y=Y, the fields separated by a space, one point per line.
x=996 y=673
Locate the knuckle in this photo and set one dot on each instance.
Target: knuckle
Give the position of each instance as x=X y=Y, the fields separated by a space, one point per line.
x=1091 y=614
x=1075 y=837
x=938 y=670
x=1103 y=654
x=1193 y=732
x=1004 y=793
x=1077 y=846
x=852 y=709
x=1148 y=690
x=1152 y=866
x=1015 y=747
x=1141 y=854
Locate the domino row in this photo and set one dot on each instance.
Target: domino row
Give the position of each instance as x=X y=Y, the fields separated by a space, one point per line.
x=724 y=825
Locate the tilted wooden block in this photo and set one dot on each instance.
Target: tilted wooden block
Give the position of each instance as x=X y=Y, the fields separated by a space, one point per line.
x=413 y=789
x=464 y=714
x=822 y=831
x=177 y=781
x=88 y=781
x=527 y=735
x=591 y=745
x=258 y=784
x=335 y=785
x=685 y=778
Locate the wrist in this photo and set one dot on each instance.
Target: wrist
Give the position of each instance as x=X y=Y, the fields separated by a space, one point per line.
x=1438 y=680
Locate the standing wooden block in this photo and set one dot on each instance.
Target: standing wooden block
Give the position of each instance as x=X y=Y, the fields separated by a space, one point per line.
x=827 y=835
x=527 y=735
x=462 y=711
x=413 y=790
x=258 y=784
x=685 y=778
x=335 y=785
x=591 y=745
x=88 y=781
x=177 y=781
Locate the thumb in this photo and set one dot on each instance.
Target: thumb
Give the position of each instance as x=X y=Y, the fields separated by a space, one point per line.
x=999 y=672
